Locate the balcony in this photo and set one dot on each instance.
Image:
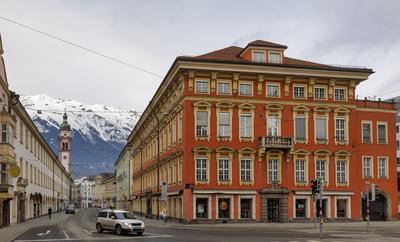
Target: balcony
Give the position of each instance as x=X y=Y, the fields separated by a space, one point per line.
x=276 y=142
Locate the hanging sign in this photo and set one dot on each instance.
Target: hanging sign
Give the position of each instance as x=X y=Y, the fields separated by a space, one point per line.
x=14 y=170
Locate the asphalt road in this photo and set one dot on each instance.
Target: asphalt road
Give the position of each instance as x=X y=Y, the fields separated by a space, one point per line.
x=81 y=227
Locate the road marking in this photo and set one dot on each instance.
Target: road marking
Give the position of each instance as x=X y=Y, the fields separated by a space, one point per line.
x=66 y=235
x=89 y=233
x=41 y=234
x=96 y=239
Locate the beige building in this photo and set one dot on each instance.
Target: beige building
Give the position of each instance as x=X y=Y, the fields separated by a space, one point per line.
x=123 y=176
x=103 y=190
x=31 y=176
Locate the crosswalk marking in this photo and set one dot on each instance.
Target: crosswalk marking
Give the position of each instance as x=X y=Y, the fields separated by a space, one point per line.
x=96 y=239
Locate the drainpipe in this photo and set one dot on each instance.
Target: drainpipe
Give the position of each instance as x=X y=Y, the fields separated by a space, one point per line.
x=158 y=159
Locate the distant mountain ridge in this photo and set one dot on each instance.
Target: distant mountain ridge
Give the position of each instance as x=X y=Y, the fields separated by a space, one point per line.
x=99 y=131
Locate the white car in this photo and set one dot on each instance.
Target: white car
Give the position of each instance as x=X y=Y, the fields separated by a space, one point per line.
x=119 y=221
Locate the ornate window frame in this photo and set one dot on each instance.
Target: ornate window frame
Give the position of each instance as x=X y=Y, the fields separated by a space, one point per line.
x=246 y=108
x=371 y=139
x=206 y=107
x=225 y=107
x=276 y=154
x=386 y=132
x=227 y=153
x=322 y=154
x=303 y=85
x=247 y=153
x=304 y=155
x=276 y=84
x=273 y=109
x=342 y=112
x=343 y=155
x=202 y=152
x=321 y=112
x=246 y=82
x=205 y=79
x=224 y=81
x=300 y=111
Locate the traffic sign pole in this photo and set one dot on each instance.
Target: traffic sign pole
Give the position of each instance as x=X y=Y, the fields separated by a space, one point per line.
x=321 y=221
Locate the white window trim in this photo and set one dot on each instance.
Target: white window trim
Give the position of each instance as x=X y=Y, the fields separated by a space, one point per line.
x=252 y=89
x=230 y=124
x=326 y=159
x=371 y=166
x=347 y=173
x=229 y=158
x=279 y=164
x=377 y=132
x=305 y=170
x=259 y=51
x=370 y=131
x=252 y=126
x=276 y=84
x=224 y=81
x=326 y=92
x=253 y=205
x=208 y=206
x=305 y=90
x=279 y=116
x=348 y=205
x=346 y=96
x=275 y=52
x=231 y=204
x=201 y=79
x=346 y=130
x=386 y=167
x=326 y=117
x=307 y=205
x=306 y=134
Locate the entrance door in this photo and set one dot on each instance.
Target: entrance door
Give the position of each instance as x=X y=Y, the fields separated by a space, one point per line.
x=378 y=208
x=6 y=213
x=149 y=202
x=273 y=210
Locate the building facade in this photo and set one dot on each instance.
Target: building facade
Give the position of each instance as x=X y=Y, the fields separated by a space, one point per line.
x=86 y=191
x=100 y=188
x=32 y=178
x=122 y=181
x=239 y=133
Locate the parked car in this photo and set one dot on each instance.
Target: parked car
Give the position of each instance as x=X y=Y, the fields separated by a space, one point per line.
x=119 y=221
x=70 y=209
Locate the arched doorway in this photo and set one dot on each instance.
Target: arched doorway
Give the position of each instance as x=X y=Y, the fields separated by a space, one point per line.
x=37 y=204
x=21 y=207
x=378 y=208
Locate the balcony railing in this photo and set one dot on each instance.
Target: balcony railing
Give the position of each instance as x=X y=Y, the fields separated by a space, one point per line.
x=276 y=142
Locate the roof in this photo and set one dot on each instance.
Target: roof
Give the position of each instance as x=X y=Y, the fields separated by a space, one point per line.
x=231 y=54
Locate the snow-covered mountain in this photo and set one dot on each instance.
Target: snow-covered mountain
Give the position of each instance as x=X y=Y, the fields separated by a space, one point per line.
x=99 y=131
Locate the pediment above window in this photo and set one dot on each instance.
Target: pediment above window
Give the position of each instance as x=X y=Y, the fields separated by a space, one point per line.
x=343 y=152
x=225 y=104
x=202 y=104
x=273 y=106
x=301 y=152
x=224 y=149
x=342 y=110
x=202 y=149
x=246 y=106
x=301 y=108
x=322 y=152
x=324 y=109
x=247 y=150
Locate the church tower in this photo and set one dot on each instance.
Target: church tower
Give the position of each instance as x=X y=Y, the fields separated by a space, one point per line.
x=65 y=143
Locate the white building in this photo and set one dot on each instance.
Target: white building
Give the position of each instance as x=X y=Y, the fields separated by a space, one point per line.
x=86 y=190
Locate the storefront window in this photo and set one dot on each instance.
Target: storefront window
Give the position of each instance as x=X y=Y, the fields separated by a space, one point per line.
x=301 y=208
x=224 y=208
x=201 y=207
x=341 y=205
x=245 y=208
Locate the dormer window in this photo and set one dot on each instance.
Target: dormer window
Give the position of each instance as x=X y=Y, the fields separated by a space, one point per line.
x=274 y=57
x=259 y=56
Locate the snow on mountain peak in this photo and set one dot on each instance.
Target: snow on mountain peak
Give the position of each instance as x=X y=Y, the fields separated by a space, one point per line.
x=92 y=121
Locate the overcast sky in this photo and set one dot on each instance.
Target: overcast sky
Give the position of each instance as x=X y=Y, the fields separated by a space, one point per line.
x=150 y=34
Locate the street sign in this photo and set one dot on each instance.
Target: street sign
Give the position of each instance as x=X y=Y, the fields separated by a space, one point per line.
x=14 y=170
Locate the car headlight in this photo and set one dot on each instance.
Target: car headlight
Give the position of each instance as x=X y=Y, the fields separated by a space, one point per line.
x=127 y=224
x=142 y=225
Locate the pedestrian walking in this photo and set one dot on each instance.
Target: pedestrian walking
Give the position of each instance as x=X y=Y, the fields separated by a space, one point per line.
x=165 y=216
x=50 y=211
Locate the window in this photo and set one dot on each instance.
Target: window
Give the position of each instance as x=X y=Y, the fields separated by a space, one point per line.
x=202 y=123
x=300 y=170
x=340 y=129
x=382 y=131
x=341 y=208
x=273 y=124
x=319 y=93
x=201 y=169
x=4 y=133
x=300 y=123
x=299 y=92
x=180 y=127
x=245 y=126
x=320 y=126
x=320 y=169
x=301 y=208
x=174 y=130
x=245 y=89
x=245 y=208
x=201 y=207
x=341 y=171
x=397 y=128
x=340 y=94
x=272 y=90
x=367 y=167
x=224 y=87
x=273 y=170
x=3 y=174
x=397 y=144
x=274 y=57
x=224 y=124
x=224 y=211
x=202 y=86
x=223 y=169
x=258 y=56
x=382 y=167
x=245 y=170
x=366 y=133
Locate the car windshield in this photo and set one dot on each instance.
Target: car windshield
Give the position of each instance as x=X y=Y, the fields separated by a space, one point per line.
x=125 y=215
x=71 y=206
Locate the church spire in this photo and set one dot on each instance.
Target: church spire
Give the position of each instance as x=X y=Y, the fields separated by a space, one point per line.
x=65 y=125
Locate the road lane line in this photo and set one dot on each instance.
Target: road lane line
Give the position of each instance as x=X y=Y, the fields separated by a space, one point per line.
x=96 y=239
x=66 y=235
x=89 y=233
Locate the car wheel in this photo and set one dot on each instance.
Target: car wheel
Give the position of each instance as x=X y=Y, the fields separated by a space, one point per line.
x=99 y=228
x=140 y=233
x=118 y=229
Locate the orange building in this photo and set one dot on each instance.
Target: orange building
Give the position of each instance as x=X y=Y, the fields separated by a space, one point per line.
x=239 y=133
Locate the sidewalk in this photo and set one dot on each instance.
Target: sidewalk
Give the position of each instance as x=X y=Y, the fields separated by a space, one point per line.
x=11 y=232
x=292 y=225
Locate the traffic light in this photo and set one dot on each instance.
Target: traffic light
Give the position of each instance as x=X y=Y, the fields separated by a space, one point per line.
x=314 y=187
